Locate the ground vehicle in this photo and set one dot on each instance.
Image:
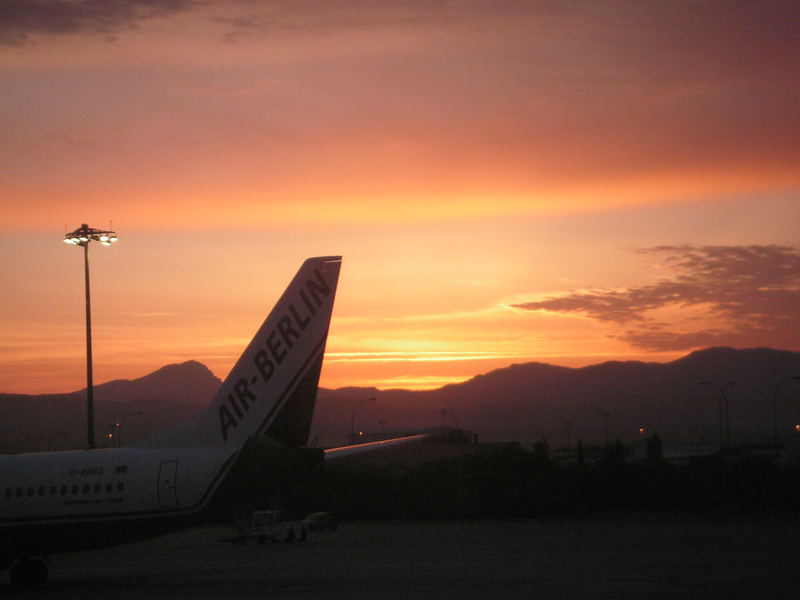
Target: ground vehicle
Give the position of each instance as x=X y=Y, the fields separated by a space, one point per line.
x=271 y=525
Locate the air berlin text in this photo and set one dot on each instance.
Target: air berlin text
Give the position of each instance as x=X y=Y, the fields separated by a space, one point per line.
x=277 y=344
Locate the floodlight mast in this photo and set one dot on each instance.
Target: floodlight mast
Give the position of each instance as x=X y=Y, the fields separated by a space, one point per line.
x=81 y=237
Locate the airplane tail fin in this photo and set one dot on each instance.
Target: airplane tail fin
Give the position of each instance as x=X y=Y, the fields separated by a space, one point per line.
x=273 y=386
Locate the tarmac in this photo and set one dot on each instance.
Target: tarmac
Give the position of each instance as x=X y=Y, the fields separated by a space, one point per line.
x=637 y=556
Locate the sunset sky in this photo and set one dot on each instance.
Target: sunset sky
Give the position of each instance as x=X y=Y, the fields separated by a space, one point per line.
x=506 y=180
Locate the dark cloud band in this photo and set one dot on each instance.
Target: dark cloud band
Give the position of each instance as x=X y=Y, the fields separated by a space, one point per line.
x=21 y=19
x=753 y=290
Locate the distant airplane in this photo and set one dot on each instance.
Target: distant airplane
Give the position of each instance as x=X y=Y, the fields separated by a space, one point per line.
x=78 y=500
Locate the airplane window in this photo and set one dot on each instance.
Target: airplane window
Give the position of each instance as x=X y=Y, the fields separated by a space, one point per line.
x=120 y=487
x=63 y=490
x=41 y=490
x=31 y=491
x=53 y=490
x=97 y=488
x=109 y=487
x=74 y=488
x=19 y=492
x=86 y=488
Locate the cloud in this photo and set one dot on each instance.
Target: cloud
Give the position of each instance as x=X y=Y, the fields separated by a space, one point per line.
x=21 y=19
x=323 y=16
x=313 y=15
x=64 y=138
x=750 y=293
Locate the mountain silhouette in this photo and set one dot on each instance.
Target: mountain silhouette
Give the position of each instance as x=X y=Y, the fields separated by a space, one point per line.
x=531 y=401
x=154 y=402
x=190 y=382
x=523 y=402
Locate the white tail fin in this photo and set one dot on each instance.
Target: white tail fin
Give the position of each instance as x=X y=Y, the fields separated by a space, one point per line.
x=273 y=386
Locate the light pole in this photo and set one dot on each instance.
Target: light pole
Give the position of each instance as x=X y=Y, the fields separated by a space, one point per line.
x=445 y=411
x=121 y=422
x=81 y=237
x=775 y=407
x=724 y=415
x=353 y=417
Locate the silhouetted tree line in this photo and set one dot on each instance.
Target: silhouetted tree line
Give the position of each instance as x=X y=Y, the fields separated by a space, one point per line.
x=510 y=480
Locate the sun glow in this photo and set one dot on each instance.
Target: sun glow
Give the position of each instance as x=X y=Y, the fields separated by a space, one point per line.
x=413 y=382
x=463 y=158
x=444 y=356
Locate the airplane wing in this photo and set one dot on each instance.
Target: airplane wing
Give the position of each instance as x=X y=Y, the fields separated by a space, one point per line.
x=343 y=451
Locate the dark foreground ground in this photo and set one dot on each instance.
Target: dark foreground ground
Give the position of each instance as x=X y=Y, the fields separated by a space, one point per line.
x=614 y=557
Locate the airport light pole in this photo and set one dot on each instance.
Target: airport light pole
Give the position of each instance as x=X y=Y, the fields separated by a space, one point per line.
x=121 y=422
x=446 y=411
x=353 y=417
x=81 y=237
x=775 y=407
x=724 y=415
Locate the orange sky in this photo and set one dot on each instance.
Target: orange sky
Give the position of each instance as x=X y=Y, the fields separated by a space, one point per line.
x=493 y=172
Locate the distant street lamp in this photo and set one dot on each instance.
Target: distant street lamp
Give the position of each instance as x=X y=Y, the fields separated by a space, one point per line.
x=724 y=414
x=775 y=407
x=356 y=404
x=121 y=422
x=445 y=411
x=81 y=237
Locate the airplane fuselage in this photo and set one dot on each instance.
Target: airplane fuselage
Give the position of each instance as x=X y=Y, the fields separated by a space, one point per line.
x=77 y=498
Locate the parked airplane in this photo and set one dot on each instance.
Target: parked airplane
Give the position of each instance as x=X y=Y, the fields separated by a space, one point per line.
x=246 y=443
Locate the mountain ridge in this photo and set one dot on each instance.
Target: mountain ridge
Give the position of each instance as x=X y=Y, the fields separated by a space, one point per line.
x=190 y=382
x=523 y=401
x=526 y=401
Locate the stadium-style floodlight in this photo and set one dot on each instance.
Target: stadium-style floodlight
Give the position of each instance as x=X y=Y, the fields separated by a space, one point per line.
x=81 y=237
